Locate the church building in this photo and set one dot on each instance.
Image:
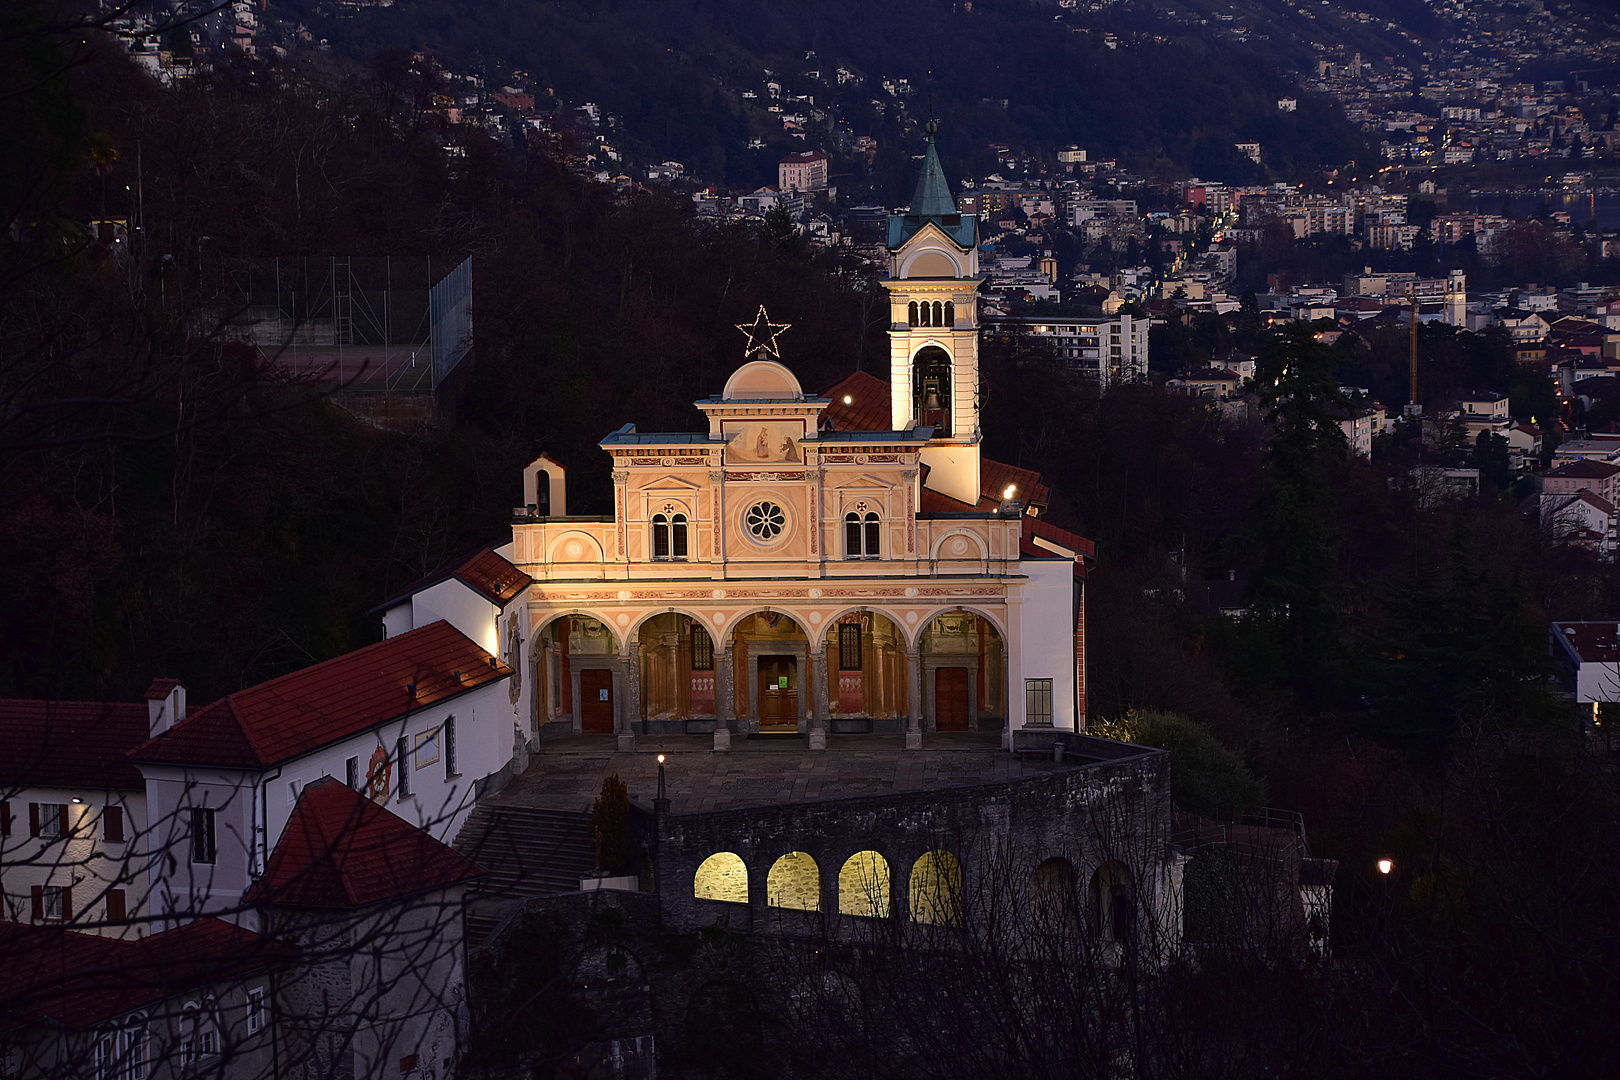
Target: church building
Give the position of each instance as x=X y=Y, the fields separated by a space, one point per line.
x=848 y=563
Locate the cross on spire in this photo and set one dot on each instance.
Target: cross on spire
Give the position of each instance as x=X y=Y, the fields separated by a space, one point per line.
x=762 y=334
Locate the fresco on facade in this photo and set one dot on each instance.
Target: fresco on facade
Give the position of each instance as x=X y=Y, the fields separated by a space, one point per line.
x=754 y=441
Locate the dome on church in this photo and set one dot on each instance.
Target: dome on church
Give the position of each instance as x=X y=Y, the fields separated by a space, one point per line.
x=762 y=380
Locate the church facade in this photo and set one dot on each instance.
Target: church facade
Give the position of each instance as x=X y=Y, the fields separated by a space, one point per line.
x=811 y=564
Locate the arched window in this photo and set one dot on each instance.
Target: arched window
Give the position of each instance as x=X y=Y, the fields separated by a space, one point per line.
x=677 y=536
x=862 y=536
x=794 y=882
x=722 y=876
x=936 y=889
x=950 y=313
x=660 y=527
x=911 y=313
x=931 y=389
x=132 y=1049
x=923 y=313
x=863 y=885
x=939 y=313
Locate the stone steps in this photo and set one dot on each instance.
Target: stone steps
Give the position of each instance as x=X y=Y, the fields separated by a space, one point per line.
x=526 y=852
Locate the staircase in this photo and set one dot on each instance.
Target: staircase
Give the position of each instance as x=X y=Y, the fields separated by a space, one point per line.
x=526 y=852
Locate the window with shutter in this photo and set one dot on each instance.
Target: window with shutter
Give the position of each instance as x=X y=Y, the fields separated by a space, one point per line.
x=402 y=752
x=112 y=824
x=5 y=817
x=450 y=748
x=351 y=773
x=33 y=819
x=203 y=848
x=37 y=896
x=116 y=912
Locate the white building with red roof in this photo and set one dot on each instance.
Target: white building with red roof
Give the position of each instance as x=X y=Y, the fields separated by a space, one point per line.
x=422 y=723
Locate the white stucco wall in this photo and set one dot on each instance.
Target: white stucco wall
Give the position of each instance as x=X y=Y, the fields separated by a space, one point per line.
x=461 y=607
x=246 y=799
x=82 y=860
x=1046 y=637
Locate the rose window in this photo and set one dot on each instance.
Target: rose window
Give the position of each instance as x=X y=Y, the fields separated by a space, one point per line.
x=765 y=520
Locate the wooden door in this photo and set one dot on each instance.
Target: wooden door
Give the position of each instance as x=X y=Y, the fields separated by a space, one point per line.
x=778 y=692
x=596 y=701
x=950 y=699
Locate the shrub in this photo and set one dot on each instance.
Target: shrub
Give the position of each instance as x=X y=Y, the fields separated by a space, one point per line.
x=1206 y=778
x=610 y=827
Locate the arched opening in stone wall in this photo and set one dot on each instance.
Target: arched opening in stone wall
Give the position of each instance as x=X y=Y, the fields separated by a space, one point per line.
x=936 y=889
x=1053 y=903
x=1113 y=902
x=770 y=657
x=964 y=673
x=794 y=882
x=863 y=885
x=866 y=670
x=677 y=672
x=722 y=876
x=576 y=658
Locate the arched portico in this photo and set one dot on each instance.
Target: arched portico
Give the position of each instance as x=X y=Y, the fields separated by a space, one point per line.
x=579 y=684
x=678 y=665
x=962 y=658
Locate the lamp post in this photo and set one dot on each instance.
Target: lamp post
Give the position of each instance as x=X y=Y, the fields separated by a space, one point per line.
x=660 y=811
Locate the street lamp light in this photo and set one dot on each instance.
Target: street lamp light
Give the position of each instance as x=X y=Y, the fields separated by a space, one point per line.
x=1386 y=866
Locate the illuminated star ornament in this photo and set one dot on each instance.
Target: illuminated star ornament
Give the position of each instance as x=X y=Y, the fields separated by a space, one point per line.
x=762 y=334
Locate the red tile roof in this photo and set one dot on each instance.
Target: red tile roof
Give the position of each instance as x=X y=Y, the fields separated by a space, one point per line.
x=48 y=974
x=71 y=744
x=484 y=572
x=492 y=576
x=297 y=713
x=868 y=408
x=341 y=850
x=1584 y=469
x=994 y=476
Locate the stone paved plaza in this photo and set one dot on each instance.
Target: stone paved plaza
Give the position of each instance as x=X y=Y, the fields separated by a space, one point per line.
x=567 y=773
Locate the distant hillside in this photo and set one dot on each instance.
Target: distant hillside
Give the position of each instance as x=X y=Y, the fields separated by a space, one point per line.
x=1030 y=76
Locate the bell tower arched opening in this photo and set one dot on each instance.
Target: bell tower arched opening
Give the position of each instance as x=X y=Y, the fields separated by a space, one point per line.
x=931 y=389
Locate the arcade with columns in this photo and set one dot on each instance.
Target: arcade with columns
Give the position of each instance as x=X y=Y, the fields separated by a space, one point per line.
x=811 y=565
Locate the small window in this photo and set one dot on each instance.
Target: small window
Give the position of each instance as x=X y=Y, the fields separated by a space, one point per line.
x=702 y=649
x=939 y=313
x=351 y=773
x=106 y=1056
x=117 y=913
x=660 y=536
x=52 y=903
x=911 y=313
x=450 y=769
x=48 y=820
x=112 y=824
x=255 y=1010
x=402 y=750
x=427 y=748
x=677 y=536
x=765 y=520
x=923 y=312
x=849 y=647
x=874 y=533
x=5 y=817
x=203 y=846
x=1037 y=701
x=852 y=536
x=950 y=313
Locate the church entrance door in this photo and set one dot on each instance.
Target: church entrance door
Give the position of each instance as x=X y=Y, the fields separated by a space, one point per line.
x=596 y=701
x=951 y=699
x=778 y=692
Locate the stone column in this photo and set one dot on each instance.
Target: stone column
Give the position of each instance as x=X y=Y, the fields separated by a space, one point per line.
x=915 y=699
x=724 y=708
x=630 y=707
x=818 y=699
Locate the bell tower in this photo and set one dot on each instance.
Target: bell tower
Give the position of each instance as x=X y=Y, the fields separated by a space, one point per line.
x=933 y=285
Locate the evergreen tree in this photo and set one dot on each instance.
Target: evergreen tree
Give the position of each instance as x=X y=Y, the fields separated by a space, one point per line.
x=1297 y=545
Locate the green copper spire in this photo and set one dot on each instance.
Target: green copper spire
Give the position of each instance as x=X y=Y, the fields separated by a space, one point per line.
x=933 y=197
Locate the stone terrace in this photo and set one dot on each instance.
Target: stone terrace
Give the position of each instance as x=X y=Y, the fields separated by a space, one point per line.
x=567 y=773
